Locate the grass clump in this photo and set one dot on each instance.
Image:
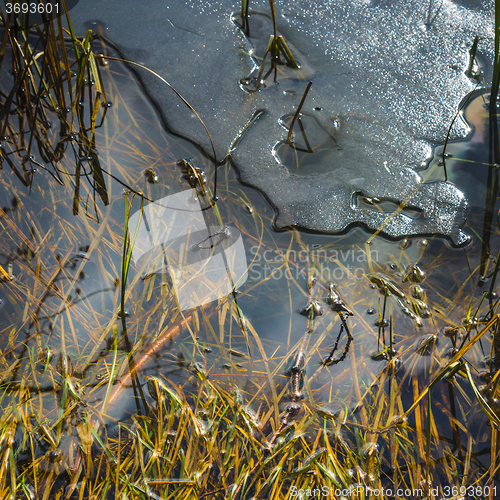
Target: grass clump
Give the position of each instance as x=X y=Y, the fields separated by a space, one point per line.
x=277 y=49
x=55 y=77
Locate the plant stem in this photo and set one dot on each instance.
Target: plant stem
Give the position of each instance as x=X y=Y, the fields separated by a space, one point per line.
x=297 y=113
x=274 y=46
x=244 y=17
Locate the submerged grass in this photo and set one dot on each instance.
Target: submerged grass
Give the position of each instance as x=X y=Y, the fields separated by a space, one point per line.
x=265 y=414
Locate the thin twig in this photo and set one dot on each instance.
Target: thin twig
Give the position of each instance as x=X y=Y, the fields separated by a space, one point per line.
x=297 y=113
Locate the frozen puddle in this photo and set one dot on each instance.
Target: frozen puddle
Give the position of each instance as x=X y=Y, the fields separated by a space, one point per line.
x=388 y=78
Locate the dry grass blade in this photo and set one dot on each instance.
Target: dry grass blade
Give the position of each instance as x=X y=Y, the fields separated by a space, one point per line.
x=451 y=365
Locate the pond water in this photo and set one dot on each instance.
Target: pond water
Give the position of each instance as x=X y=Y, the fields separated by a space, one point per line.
x=413 y=299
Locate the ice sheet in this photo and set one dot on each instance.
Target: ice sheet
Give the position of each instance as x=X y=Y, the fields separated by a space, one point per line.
x=388 y=77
